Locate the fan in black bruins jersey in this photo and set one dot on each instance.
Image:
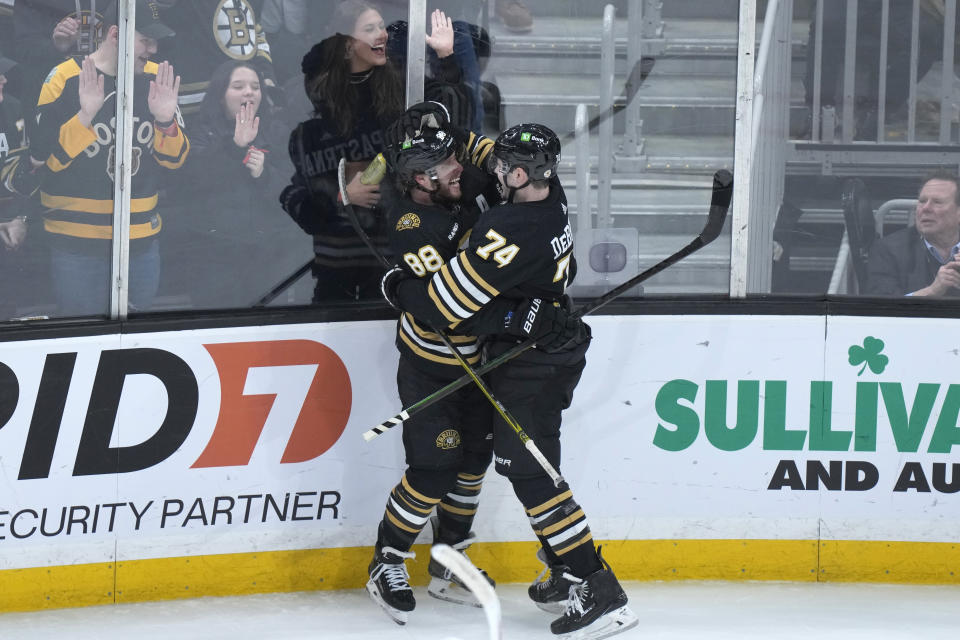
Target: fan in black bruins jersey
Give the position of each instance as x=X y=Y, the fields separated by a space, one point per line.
x=524 y=249
x=76 y=141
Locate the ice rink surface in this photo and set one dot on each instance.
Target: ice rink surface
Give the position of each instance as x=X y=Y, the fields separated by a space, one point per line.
x=674 y=610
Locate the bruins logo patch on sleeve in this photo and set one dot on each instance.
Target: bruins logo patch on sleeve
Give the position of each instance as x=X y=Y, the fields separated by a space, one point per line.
x=408 y=221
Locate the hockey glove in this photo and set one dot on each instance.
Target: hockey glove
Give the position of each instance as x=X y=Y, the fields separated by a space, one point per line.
x=390 y=285
x=548 y=323
x=21 y=177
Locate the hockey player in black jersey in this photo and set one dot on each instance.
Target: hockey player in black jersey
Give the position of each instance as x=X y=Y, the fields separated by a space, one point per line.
x=524 y=249
x=449 y=447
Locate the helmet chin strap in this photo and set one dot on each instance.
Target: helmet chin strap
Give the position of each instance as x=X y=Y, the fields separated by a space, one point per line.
x=513 y=190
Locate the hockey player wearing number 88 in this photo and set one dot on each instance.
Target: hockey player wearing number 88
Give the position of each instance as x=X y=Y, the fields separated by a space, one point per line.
x=448 y=448
x=523 y=249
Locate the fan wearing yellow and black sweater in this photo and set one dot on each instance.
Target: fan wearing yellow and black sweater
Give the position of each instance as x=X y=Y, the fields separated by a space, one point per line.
x=75 y=140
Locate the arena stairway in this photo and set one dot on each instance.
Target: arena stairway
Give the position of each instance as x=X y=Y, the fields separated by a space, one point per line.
x=687 y=106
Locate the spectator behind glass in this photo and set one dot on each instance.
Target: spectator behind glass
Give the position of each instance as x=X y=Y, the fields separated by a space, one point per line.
x=210 y=32
x=240 y=245
x=355 y=94
x=13 y=222
x=13 y=145
x=49 y=31
x=921 y=260
x=75 y=139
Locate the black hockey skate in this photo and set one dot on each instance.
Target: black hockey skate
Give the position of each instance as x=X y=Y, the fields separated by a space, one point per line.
x=444 y=584
x=389 y=583
x=551 y=594
x=597 y=607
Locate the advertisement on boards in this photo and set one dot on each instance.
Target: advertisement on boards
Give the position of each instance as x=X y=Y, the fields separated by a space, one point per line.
x=248 y=439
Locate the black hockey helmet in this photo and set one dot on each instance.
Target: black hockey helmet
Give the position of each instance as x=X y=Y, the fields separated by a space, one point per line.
x=534 y=147
x=408 y=157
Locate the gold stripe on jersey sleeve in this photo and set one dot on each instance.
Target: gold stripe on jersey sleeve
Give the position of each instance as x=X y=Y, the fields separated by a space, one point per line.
x=416 y=494
x=549 y=504
x=171 y=151
x=430 y=335
x=451 y=359
x=464 y=258
x=469 y=477
x=98 y=231
x=94 y=205
x=573 y=545
x=74 y=138
x=53 y=86
x=481 y=152
x=453 y=286
x=438 y=303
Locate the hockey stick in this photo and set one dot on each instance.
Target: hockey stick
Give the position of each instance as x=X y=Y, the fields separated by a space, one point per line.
x=471 y=374
x=280 y=288
x=719 y=203
x=478 y=585
x=635 y=79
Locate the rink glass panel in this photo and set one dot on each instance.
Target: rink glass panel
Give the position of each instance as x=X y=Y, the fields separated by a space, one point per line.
x=861 y=140
x=60 y=267
x=225 y=245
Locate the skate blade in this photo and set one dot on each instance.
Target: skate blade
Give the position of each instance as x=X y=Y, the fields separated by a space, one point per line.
x=400 y=617
x=554 y=608
x=609 y=624
x=446 y=590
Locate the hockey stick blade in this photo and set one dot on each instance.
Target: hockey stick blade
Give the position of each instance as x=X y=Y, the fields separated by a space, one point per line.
x=478 y=585
x=719 y=205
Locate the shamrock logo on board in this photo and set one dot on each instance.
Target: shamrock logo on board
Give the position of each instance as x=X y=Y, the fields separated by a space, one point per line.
x=869 y=355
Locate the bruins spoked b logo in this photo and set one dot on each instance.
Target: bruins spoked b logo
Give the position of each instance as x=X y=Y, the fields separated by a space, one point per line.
x=235 y=29
x=449 y=439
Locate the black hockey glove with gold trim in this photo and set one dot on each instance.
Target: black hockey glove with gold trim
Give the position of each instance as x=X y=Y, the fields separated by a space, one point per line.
x=548 y=323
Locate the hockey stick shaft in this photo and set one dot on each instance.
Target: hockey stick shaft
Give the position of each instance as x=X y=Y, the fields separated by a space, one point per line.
x=635 y=79
x=471 y=374
x=720 y=203
x=283 y=286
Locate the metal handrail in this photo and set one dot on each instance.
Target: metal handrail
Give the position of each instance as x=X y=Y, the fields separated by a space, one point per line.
x=582 y=142
x=605 y=163
x=840 y=277
x=769 y=22
x=880 y=214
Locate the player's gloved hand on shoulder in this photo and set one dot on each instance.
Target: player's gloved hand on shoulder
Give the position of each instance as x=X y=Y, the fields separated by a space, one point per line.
x=390 y=285
x=412 y=121
x=548 y=323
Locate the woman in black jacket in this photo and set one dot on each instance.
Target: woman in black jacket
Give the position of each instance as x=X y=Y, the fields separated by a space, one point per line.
x=356 y=92
x=235 y=171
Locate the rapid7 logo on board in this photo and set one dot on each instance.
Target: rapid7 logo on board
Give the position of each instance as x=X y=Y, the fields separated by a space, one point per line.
x=258 y=381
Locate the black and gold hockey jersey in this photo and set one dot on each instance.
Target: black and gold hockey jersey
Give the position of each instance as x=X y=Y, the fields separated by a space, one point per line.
x=516 y=250
x=423 y=238
x=77 y=190
x=13 y=150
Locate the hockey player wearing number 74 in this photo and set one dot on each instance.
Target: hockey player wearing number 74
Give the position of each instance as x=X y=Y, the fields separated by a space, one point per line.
x=448 y=448
x=523 y=249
